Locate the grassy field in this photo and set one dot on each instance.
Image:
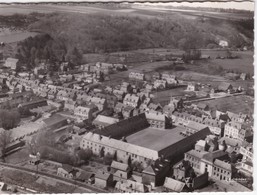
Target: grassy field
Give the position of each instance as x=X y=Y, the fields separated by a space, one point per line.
x=235 y=104
x=15 y=36
x=244 y=62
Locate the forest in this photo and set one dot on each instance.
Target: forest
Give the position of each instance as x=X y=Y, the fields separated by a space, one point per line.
x=69 y=36
x=107 y=33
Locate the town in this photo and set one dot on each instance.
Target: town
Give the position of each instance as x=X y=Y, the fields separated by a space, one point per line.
x=109 y=127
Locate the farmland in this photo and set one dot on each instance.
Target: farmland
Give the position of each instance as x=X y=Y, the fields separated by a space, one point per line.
x=236 y=104
x=8 y=36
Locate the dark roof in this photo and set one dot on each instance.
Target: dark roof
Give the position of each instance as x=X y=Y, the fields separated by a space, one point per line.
x=224 y=86
x=84 y=175
x=67 y=168
x=211 y=156
x=56 y=118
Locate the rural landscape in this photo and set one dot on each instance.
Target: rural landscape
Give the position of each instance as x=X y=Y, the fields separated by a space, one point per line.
x=125 y=97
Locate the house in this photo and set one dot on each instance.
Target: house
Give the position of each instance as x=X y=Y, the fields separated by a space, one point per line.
x=246 y=168
x=239 y=118
x=121 y=171
x=137 y=76
x=3 y=187
x=86 y=177
x=171 y=79
x=119 y=108
x=103 y=179
x=34 y=161
x=100 y=103
x=111 y=100
x=215 y=163
x=244 y=76
x=66 y=171
x=155 y=107
x=181 y=170
x=127 y=111
x=126 y=87
x=215 y=126
x=239 y=131
x=70 y=104
x=173 y=185
x=102 y=121
x=156 y=75
x=222 y=171
x=149 y=87
x=85 y=112
x=158 y=119
x=160 y=84
x=202 y=106
x=192 y=87
x=225 y=87
x=11 y=63
x=120 y=94
x=130 y=186
x=131 y=100
x=185 y=173
x=155 y=174
x=66 y=95
x=168 y=110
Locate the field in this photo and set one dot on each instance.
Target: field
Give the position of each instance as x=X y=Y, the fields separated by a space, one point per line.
x=236 y=104
x=8 y=36
x=244 y=62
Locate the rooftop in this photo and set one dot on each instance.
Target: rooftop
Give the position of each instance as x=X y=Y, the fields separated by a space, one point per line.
x=156 y=139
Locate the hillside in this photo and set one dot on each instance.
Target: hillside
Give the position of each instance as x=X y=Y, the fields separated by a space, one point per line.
x=97 y=33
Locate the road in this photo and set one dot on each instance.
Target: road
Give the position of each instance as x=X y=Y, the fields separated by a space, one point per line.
x=85 y=187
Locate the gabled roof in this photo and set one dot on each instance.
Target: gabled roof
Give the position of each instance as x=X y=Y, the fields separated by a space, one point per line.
x=56 y=118
x=131 y=98
x=149 y=170
x=224 y=86
x=154 y=115
x=211 y=156
x=196 y=126
x=153 y=106
x=202 y=105
x=102 y=175
x=131 y=186
x=168 y=109
x=83 y=175
x=67 y=168
x=201 y=143
x=173 y=184
x=121 y=145
x=119 y=166
x=197 y=154
x=105 y=120
x=223 y=164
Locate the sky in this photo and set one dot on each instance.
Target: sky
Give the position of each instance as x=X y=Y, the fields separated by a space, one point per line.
x=234 y=5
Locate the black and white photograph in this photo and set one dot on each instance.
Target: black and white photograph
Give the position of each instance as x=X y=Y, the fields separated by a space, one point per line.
x=126 y=96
